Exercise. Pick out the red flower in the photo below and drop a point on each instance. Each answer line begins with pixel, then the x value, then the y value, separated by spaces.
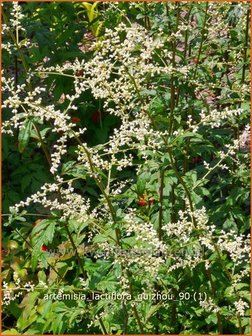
pixel 44 248
pixel 141 202
pixel 75 120
pixel 96 117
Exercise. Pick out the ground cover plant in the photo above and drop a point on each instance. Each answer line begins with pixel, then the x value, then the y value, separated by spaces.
pixel 125 154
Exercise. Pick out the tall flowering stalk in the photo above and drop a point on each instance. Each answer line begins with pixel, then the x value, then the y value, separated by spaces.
pixel 142 200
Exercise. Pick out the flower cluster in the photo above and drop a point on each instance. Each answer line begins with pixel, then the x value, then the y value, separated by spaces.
pixel 58 197
pixel 237 246
pixel 15 27
pixel 240 306
pixel 137 175
pixel 209 306
pixel 15 289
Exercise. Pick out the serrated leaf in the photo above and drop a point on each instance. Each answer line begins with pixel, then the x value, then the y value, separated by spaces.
pixel 43 233
pixel 48 228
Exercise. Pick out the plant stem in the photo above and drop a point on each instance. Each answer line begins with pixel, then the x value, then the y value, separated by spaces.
pixel 103 327
pixel 173 215
pixel 84 273
pixel 245 47
pixel 201 41
pixel 47 155
pixel 220 328
pixel 146 18
pixel 27 214
pixel 186 33
pixel 173 89
pixel 138 319
pixel 182 183
pixel 125 324
pixel 161 199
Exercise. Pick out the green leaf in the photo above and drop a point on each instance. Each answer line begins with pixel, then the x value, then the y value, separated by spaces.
pixel 92 14
pixel 25 182
pixel 212 318
pixel 24 136
pixel 43 132
pixel 46 308
pixel 10 332
pixel 14 309
pixel 42 276
pixel 140 187
pixel 75 170
pixel 46 229
pixel 42 233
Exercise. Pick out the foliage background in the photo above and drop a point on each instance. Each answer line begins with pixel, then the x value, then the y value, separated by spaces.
pixel 207 45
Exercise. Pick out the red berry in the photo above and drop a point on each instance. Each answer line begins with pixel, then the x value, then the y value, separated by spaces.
pixel 96 117
pixel 44 248
pixel 75 120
